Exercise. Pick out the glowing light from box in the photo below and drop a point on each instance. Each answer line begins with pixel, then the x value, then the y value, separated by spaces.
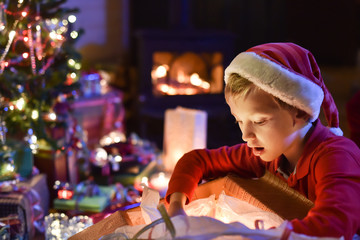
pixel 65 194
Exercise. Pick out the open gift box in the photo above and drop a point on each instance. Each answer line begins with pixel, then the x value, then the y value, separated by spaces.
pixel 268 193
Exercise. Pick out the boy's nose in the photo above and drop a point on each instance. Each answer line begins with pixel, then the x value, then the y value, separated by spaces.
pixel 247 134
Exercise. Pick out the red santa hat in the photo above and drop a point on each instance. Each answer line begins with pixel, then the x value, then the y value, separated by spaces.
pixel 290 73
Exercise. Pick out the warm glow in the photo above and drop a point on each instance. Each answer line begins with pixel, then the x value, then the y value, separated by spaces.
pixel 65 194
pixel 26 39
pixel 205 85
pixel 73 75
pixel 12 34
pixel 181 77
pixel 107 141
pixel 52 116
pixel 77 66
pixel 172 91
pixel 164 88
pixel 24 14
pixel 117 158
pixel 59 37
pixel 65 22
pixel 25 55
pixel 33 139
pixel 54 21
pixel 34 114
pixel 195 79
pixel 71 62
pixel 74 34
pixel 160 182
pixel 145 181
pixel 20 103
pixel 190 91
pixel 160 71
pixel 52 35
pixel 9 167
pixel 72 18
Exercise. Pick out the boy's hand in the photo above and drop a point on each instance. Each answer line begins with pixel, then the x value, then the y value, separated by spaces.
pixel 177 203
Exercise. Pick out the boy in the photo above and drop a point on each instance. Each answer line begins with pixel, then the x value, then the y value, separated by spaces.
pixel 275 92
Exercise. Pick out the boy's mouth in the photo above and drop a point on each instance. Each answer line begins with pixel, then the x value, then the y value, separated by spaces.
pixel 258 150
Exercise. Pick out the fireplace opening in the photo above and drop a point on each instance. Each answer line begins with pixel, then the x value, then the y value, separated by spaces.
pixel 188 73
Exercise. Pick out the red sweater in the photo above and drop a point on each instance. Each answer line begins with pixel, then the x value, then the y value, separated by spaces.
pixel 328 173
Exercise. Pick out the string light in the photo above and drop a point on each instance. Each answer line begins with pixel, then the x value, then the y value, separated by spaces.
pixel 74 34
pixel 77 66
pixel 52 116
pixel 72 18
pixel 71 62
pixel 35 114
pixel 20 103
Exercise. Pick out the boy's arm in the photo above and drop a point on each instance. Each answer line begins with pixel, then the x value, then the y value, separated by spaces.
pixel 177 203
pixel 208 164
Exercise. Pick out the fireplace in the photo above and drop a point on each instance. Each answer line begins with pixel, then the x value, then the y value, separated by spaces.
pixel 186 73
pixel 184 68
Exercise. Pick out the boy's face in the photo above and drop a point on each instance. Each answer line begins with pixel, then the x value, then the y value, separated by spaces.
pixel 266 127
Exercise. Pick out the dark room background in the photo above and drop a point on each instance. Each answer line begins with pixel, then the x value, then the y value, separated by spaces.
pixel 328 28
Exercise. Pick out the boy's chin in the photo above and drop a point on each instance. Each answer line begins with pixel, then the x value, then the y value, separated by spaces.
pixel 267 158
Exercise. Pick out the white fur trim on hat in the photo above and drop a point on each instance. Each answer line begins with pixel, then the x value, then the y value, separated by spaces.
pixel 336 131
pixel 292 88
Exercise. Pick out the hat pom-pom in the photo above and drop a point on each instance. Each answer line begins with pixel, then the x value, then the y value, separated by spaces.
pixel 337 131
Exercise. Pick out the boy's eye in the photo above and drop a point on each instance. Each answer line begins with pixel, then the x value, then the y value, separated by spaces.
pixel 261 122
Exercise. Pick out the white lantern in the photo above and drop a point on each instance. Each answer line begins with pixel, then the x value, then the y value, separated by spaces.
pixel 184 130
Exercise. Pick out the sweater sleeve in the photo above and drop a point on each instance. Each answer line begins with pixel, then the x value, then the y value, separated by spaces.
pixel 336 208
pixel 208 164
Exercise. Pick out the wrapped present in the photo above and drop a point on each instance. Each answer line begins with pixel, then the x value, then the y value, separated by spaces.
pixel 87 202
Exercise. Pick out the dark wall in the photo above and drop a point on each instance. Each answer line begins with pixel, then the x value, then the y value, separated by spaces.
pixel 328 28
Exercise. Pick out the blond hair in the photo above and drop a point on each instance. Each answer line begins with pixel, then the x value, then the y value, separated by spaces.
pixel 238 86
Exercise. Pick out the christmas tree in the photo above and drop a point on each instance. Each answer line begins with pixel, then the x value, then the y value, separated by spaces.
pixel 39 71
pixel 39 68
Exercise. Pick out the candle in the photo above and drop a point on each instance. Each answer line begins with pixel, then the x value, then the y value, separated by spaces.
pixel 160 182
